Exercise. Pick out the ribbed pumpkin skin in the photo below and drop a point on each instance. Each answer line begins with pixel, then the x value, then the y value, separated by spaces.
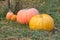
pixel 9 15
pixel 13 18
pixel 24 16
pixel 41 22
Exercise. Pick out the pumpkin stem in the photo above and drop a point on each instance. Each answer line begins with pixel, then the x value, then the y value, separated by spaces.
pixel 8 4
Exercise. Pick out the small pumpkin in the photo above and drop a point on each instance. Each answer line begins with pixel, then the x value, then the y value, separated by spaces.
pixel 24 15
pixel 9 15
pixel 13 18
pixel 41 22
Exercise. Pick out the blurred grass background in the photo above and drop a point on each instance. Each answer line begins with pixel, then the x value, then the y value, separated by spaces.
pixel 51 7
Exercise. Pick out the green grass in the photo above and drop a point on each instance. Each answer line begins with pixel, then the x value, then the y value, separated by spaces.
pixel 14 29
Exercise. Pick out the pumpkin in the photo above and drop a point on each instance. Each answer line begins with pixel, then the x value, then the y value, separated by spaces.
pixel 13 18
pixel 24 15
pixel 9 15
pixel 41 22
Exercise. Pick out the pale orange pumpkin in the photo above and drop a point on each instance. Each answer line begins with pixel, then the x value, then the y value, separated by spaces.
pixel 13 18
pixel 41 22
pixel 24 16
pixel 9 15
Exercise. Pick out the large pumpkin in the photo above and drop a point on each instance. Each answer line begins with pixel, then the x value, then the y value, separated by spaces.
pixel 24 16
pixel 9 15
pixel 41 22
pixel 13 18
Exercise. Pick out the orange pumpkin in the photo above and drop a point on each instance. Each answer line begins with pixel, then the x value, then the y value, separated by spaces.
pixel 41 22
pixel 13 18
pixel 24 16
pixel 9 15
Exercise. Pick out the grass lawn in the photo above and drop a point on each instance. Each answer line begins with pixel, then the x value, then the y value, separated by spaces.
pixel 11 29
